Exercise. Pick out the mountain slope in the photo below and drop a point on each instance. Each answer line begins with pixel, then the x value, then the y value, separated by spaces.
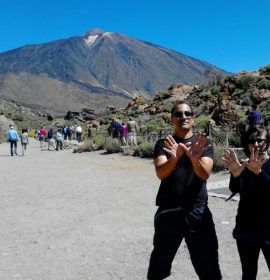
pixel 52 96
pixel 106 63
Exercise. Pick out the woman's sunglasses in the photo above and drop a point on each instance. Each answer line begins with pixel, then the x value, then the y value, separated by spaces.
pixel 180 114
pixel 259 141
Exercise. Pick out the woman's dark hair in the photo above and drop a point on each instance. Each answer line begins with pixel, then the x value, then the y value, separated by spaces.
pixel 256 131
pixel 179 103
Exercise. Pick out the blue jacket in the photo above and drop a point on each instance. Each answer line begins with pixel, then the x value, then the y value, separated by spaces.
pixel 12 135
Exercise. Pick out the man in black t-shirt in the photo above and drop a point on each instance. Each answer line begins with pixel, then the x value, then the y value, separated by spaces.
pixel 183 163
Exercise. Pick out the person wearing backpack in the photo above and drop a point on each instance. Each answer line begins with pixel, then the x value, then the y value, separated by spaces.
pixel 13 138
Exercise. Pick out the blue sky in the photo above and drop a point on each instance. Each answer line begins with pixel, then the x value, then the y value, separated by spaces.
pixel 231 34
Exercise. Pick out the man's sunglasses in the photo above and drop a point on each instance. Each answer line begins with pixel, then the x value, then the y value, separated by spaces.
pixel 180 114
pixel 253 141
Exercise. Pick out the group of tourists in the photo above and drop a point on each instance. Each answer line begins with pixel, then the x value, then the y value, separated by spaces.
pixel 55 139
pixel 183 163
pixel 68 133
pixel 124 133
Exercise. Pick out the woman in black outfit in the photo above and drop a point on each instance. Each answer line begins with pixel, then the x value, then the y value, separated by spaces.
pixel 251 179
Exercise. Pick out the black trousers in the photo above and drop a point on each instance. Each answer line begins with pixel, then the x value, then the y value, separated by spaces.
pixel 59 144
pixel 198 230
pixel 249 255
pixel 13 147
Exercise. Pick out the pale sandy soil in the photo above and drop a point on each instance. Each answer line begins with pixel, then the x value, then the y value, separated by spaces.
pixel 88 216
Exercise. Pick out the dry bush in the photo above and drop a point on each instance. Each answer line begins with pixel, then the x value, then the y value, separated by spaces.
pixel 111 146
pixel 85 147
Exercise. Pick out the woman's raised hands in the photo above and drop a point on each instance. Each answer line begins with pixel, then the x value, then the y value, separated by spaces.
pixel 231 161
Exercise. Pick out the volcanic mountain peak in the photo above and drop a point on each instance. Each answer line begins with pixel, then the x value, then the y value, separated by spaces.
pixel 97 63
pixel 95 31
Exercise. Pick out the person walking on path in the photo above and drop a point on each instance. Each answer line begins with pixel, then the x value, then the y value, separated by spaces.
pixel 251 179
pixel 42 135
pixel 183 163
pixel 13 138
pixel 51 141
pixel 65 132
pixel 59 140
pixel 116 131
pixel 78 131
pixel 132 131
pixel 24 141
pixel 124 133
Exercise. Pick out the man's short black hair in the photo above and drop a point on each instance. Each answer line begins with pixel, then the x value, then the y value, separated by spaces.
pixel 179 102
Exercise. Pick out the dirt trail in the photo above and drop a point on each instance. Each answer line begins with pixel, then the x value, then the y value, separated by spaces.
pixel 66 216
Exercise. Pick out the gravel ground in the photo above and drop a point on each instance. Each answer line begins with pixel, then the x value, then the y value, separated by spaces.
pixel 90 216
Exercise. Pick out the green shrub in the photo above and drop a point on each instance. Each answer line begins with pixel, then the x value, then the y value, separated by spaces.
pixel 218 163
pixel 242 120
pixel 264 84
pixel 244 82
pixel 139 139
pixel 166 118
pixel 206 95
pixel 163 95
pixel 152 125
pixel 246 101
pixel 265 69
pixel 215 90
pixel 99 141
pixel 219 137
pixel 2 137
pixel 265 109
pixel 167 107
pixel 234 139
pixel 145 150
pixel 202 123
pixel 111 146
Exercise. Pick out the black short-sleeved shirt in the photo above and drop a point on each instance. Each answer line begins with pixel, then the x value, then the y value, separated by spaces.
pixel 182 187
